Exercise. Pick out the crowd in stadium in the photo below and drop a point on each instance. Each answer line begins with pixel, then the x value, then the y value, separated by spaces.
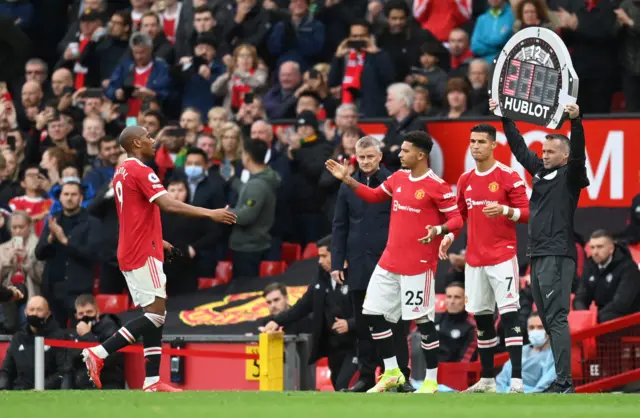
pixel 247 99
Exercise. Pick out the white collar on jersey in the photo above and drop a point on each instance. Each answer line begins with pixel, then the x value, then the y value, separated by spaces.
pixel 486 173
pixel 422 177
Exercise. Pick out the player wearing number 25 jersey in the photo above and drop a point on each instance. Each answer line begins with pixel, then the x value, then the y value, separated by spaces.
pixel 492 197
pixel 403 283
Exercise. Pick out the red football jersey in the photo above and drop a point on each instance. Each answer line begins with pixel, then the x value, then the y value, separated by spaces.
pixel 417 202
pixel 491 241
pixel 136 186
pixel 32 206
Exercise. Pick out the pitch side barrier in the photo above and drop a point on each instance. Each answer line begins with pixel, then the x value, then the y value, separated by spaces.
pixel 268 362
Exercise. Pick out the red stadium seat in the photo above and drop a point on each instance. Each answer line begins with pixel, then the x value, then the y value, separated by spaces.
pixel 323 376
pixel 310 251
pixel 579 320
pixel 272 268
pixel 113 304
pixel 290 252
pixel 441 305
pixel 96 286
pixel 209 282
pixel 635 252
pixel 224 270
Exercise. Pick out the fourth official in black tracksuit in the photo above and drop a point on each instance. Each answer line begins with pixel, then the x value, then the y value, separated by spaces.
pixel 359 236
pixel 552 248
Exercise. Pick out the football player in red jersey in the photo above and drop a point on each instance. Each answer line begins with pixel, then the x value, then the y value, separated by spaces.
pixel 402 285
pixel 139 197
pixel 492 197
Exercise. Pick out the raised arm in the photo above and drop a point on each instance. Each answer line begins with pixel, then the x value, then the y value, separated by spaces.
pixel 171 205
pixel 369 195
pixel 577 169
pixel 529 159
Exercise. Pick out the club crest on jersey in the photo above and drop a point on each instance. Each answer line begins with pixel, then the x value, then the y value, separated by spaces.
pixel 419 194
pixel 494 186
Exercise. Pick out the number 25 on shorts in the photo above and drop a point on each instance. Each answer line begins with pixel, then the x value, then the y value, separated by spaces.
pixel 414 298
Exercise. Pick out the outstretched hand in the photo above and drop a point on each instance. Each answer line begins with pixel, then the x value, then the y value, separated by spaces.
pixel 573 110
pixel 224 216
pixel 430 236
pixel 445 244
pixel 339 171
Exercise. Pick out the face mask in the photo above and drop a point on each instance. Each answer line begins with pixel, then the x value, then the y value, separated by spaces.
pixel 537 337
pixel 193 171
pixel 89 319
pixel 36 322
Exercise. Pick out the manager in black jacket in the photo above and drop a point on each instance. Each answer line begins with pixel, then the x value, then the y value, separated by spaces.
pixel 360 233
pixel 610 278
pixel 558 178
pixel 333 333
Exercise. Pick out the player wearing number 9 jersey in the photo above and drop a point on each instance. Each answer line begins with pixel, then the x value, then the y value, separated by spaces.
pixel 139 198
pixel 492 197
pixel 402 285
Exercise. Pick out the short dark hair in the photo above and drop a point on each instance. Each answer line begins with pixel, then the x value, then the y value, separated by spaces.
pixel 86 299
pixel 360 22
pixel 151 14
pixel 256 150
pixel 68 165
pixel 602 233
pixel 202 9
pixel 485 128
pixel 72 183
pixel 559 137
pixel 126 17
pixel 420 139
pixel 352 131
pixel 324 242
pixel 178 180
pixel 104 140
pixel 455 284
pixel 155 114
pixel 276 286
pixel 397 5
pixel 23 173
pixel 534 314
pixel 197 151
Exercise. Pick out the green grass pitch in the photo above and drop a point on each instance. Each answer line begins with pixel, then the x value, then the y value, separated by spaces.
pixel 124 404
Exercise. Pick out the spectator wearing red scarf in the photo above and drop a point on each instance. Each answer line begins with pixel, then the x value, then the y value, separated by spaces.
pixel 362 70
pixel 246 75
pixel 461 54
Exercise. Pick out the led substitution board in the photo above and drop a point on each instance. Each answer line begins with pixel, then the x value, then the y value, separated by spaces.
pixel 533 78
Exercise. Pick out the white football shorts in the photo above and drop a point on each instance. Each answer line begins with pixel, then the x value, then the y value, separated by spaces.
pixel 486 286
pixel 147 282
pixel 398 296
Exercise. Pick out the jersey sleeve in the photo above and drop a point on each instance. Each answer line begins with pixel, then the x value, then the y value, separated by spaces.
pixel 377 195
pixel 517 194
pixel 460 200
pixel 446 202
pixel 148 183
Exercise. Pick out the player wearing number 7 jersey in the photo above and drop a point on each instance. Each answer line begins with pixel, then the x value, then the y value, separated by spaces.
pixel 139 197
pixel 402 285
pixel 492 198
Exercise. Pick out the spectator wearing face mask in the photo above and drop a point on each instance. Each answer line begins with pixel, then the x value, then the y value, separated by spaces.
pixel 93 327
pixel 610 278
pixel 538 368
pixel 18 368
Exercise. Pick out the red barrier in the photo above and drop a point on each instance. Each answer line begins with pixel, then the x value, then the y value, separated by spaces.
pixel 181 352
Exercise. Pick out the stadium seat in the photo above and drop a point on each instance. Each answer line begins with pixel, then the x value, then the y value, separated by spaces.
pixel 209 282
pixel 618 103
pixel 272 268
pixel 310 251
pixel 323 376
pixel 96 286
pixel 579 320
pixel 113 304
pixel 224 270
pixel 290 252
pixel 441 305
pixel 580 251
pixel 635 252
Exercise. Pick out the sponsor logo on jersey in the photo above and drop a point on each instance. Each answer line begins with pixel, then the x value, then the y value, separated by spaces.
pixel 419 194
pixel 494 186
pixel 471 203
pixel 397 206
